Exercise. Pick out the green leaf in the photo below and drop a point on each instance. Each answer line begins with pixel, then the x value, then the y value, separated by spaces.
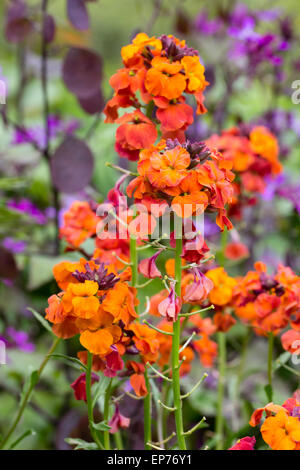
pixel 269 392
pixel 100 388
pixel 29 385
pixel 25 434
pixel 80 444
pixel 41 319
pixel 102 426
pixel 72 361
pixel 281 360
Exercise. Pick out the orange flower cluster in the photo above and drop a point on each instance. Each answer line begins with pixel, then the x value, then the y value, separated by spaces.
pixel 98 304
pixel 254 157
pixel 269 303
pixel 190 177
pixel 156 74
pixel 281 428
pixel 80 223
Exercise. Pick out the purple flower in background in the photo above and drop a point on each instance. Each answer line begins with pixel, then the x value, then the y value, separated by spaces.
pixel 13 245
pixel 207 27
pixel 27 207
pixel 241 23
pixel 17 340
pixel 281 187
pixel 37 134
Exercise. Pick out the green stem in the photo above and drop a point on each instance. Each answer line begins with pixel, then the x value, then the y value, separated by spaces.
pixel 106 439
pixel 88 384
pixel 28 393
pixel 118 440
pixel 147 414
pixel 221 383
pixel 270 360
pixel 147 399
pixel 175 348
pixel 134 261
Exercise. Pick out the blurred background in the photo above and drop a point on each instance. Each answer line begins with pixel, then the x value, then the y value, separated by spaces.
pixel 251 54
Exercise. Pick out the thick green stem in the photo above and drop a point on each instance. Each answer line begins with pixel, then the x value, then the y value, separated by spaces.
pixel 118 440
pixel 28 394
pixel 88 385
pixel 270 361
pixel 106 416
pixel 134 261
pixel 175 349
pixel 221 383
pixel 147 399
pixel 147 414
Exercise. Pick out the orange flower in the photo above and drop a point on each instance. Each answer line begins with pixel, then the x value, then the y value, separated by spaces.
pixel 224 321
pixel 194 72
pixel 137 379
pixel 236 251
pixel 140 41
pixel 97 342
pixel 136 132
pixel 174 115
pixel 120 302
pixel 146 341
pixel 191 199
pixel 169 168
pixel 80 223
pixel 282 432
pixel 222 292
pixel 264 143
pixel 207 350
pixel 80 301
pixel 164 78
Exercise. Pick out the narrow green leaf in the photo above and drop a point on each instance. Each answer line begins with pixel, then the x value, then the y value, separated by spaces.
pixel 25 434
pixel 102 426
pixel 72 361
pixel 41 319
pixel 80 444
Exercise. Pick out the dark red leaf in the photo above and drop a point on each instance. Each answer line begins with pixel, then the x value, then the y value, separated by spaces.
pixel 72 165
pixel 78 14
pixel 49 28
pixel 82 72
pixel 18 25
pixel 92 104
pixel 8 267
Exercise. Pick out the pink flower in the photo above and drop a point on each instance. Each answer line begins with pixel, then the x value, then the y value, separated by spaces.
pixel 246 443
pixel 148 268
pixel 79 386
pixel 118 421
pixel 170 307
pixel 199 289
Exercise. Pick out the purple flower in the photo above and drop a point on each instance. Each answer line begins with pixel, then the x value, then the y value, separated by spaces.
pixel 207 27
pixel 18 340
pixel 27 207
pixel 14 246
pixel 37 135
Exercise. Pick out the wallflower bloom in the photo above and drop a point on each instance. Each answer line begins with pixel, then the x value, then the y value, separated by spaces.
pixel 196 287
pixel 135 133
pixel 79 386
pixel 157 71
pixel 246 443
pixel 118 421
pixel 148 268
pixel 79 223
pixel 282 432
pixel 171 306
pixel 222 292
